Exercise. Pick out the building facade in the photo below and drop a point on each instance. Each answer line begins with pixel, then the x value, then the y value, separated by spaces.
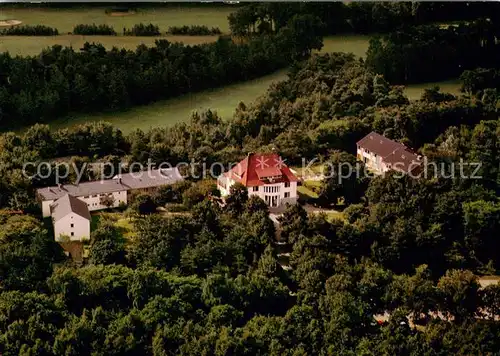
pixel 109 193
pixel 264 175
pixel 71 219
pixel 381 154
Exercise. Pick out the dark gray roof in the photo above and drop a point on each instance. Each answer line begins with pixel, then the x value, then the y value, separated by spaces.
pixel 69 204
pixel 397 155
pixel 137 180
pixel 379 144
pixel 403 160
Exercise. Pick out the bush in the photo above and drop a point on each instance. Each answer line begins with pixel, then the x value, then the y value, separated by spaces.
pixel 175 208
pixel 193 30
pixel 91 30
pixel 142 30
pixel 27 30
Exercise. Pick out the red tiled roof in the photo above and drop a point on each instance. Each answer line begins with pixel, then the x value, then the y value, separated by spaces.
pixel 268 172
pixel 255 168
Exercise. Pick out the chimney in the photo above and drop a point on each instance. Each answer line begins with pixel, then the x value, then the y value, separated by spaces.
pixel 120 180
pixel 249 154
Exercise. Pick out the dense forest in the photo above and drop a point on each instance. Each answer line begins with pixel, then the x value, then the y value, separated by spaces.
pixel 208 281
pixel 356 17
pixel 431 53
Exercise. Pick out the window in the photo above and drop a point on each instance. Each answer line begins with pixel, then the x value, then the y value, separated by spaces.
pixel 287 194
pixel 72 233
pixel 255 189
pixel 72 225
pixel 287 184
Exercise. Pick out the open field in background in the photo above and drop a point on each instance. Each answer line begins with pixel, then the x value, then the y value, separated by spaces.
pixel 65 19
pixel 223 100
pixel 167 112
pixel 356 44
pixel 414 91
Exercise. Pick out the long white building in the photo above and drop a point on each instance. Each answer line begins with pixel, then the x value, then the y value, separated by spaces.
pixel 99 194
pixel 264 175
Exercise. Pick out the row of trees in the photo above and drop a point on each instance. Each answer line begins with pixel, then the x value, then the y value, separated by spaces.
pixel 194 30
pixel 142 30
pixel 107 30
pixel 89 30
pixel 29 30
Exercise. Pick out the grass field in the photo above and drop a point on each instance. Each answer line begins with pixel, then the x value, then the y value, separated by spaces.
pixel 65 19
pixel 346 43
pixel 223 100
pixel 168 112
pixel 414 91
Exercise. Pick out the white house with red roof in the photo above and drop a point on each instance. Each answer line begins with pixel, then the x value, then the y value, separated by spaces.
pixel 264 175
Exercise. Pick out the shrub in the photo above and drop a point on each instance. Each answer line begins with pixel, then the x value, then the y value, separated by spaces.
pixel 27 30
pixel 92 30
pixel 193 30
pixel 175 207
pixel 142 30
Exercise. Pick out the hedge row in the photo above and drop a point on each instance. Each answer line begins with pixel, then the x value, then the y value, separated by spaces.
pixel 193 30
pixel 106 30
pixel 28 30
pixel 142 30
pixel 94 30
